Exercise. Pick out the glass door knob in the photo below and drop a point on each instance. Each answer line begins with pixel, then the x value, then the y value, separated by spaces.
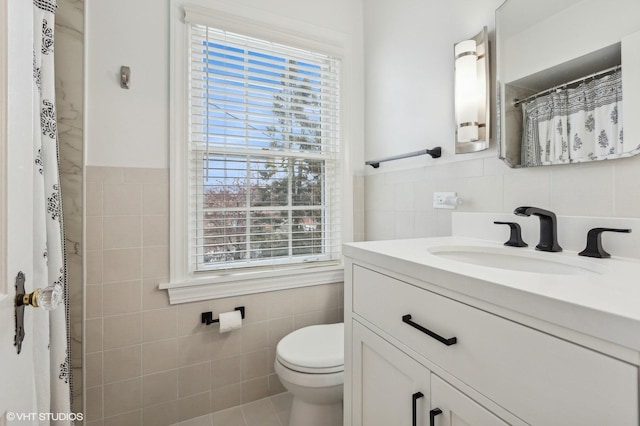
pixel 48 298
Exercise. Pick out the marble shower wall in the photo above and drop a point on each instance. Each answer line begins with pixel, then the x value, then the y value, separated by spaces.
pixel 69 38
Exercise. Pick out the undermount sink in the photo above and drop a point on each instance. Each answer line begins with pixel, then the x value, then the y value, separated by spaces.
pixel 523 261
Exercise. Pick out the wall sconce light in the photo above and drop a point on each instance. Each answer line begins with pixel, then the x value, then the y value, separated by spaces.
pixel 472 99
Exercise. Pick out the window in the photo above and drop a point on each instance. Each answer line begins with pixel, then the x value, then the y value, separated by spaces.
pixel 260 140
pixel 264 146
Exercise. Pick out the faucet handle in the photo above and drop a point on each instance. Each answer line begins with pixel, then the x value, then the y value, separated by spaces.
pixel 515 238
pixel 594 242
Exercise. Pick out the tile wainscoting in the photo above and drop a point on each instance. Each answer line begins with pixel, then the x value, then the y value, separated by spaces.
pixel 398 203
pixel 151 363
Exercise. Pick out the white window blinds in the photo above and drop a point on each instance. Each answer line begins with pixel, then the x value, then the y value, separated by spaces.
pixel 263 152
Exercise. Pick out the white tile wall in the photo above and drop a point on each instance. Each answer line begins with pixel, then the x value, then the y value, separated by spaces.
pixel 398 204
pixel 152 363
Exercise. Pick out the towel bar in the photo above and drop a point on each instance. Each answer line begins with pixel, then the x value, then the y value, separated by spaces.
pixel 434 153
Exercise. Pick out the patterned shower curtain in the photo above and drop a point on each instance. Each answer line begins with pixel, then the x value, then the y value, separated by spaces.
pixel 53 386
pixel 574 125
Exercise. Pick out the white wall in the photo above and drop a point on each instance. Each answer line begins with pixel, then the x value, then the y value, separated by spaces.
pixel 130 128
pixel 409 72
pixel 127 128
pixel 409 106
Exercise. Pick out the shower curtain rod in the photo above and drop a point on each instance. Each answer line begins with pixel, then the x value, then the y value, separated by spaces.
pixel 517 102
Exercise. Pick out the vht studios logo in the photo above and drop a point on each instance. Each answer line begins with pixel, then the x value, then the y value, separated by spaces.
pixel 55 417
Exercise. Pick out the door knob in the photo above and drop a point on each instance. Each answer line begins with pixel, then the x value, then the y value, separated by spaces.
pixel 47 298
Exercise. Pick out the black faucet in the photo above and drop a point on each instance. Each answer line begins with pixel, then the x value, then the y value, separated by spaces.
pixel 594 242
pixel 548 227
pixel 515 237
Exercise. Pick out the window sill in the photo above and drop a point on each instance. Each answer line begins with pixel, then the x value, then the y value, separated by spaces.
pixel 243 283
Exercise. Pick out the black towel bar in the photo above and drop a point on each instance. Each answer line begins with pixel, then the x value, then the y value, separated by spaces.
pixel 434 153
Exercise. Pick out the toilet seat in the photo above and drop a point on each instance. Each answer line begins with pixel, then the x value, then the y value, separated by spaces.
pixel 317 349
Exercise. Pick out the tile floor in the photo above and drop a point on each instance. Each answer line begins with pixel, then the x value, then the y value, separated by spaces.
pixel 272 411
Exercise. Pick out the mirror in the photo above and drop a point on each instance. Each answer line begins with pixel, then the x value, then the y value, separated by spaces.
pixel 567 77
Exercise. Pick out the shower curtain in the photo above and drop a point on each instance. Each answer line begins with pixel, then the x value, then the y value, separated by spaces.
pixel 575 124
pixel 52 362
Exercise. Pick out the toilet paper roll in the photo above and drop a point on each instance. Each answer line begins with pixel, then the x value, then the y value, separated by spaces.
pixel 230 321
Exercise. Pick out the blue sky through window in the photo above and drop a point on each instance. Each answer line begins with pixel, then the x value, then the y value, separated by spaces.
pixel 232 115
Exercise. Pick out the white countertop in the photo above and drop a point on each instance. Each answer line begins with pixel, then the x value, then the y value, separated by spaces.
pixel 604 304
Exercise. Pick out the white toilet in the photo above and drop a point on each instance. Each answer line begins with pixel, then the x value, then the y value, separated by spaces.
pixel 310 365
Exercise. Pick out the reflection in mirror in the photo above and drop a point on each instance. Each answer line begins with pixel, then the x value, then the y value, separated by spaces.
pixel 560 86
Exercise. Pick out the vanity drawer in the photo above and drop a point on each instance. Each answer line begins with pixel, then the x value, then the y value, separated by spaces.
pixel 540 378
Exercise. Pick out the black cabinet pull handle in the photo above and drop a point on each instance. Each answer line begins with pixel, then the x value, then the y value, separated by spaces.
pixel 450 341
pixel 415 397
pixel 432 416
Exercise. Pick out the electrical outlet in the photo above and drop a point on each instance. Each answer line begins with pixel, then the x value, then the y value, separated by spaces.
pixel 444 200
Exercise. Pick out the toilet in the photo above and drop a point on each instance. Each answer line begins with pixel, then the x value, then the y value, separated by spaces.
pixel 310 365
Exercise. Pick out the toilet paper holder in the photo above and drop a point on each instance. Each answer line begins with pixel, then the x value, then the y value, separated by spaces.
pixel 207 317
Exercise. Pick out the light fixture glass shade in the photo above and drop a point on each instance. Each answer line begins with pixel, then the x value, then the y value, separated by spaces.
pixel 472 87
pixel 466 90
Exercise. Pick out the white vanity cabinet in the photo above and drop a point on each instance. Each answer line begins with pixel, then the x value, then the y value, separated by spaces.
pixel 387 382
pixel 391 388
pixel 457 409
pixel 478 367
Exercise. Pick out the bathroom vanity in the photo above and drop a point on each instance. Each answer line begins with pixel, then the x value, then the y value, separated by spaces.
pixel 434 337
